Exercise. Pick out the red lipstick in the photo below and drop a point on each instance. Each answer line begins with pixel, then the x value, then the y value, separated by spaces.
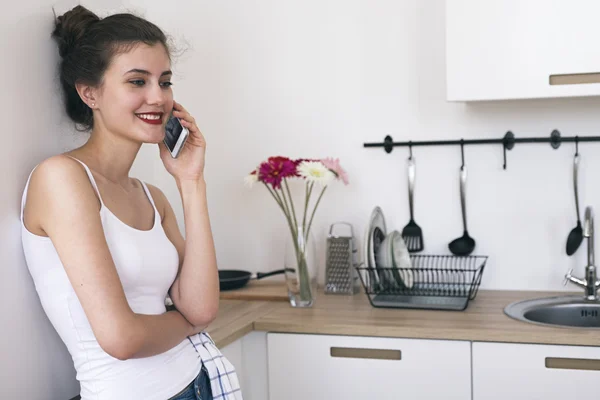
pixel 152 118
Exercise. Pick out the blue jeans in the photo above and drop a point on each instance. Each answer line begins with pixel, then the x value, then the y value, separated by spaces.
pixel 199 389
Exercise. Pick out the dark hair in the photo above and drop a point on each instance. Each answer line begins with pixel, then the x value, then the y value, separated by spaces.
pixel 87 45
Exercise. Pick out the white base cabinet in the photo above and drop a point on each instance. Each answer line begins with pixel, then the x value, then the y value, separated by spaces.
pixel 302 366
pixel 249 357
pixel 287 366
pixel 530 372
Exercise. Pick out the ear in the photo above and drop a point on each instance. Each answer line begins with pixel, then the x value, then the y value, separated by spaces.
pixel 87 93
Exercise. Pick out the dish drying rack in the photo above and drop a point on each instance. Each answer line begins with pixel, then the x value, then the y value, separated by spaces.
pixel 442 282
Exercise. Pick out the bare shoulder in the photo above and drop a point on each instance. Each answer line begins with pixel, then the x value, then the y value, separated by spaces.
pixel 58 174
pixel 159 199
pixel 60 163
pixel 58 181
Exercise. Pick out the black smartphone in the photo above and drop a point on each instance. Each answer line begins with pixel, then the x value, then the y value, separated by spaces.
pixel 175 136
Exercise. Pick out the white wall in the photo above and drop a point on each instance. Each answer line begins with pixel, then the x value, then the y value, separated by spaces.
pixel 320 78
pixel 34 362
pixel 304 79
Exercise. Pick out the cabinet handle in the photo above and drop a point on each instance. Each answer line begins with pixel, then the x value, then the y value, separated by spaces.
pixel 575 79
pixel 376 354
pixel 573 363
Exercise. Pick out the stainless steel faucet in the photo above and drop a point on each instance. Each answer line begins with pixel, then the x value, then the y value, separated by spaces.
pixel 591 282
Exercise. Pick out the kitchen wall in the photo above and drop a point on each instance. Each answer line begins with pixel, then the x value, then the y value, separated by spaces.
pixel 34 361
pixel 303 79
pixel 320 78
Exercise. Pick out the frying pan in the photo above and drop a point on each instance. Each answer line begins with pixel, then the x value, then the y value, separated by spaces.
pixel 234 278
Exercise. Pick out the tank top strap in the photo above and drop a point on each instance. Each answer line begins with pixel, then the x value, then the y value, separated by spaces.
pixel 91 177
pixel 148 194
pixel 24 196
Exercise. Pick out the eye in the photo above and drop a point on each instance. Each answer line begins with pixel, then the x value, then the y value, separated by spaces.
pixel 166 84
pixel 137 82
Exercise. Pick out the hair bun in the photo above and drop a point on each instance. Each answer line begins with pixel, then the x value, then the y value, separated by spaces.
pixel 70 27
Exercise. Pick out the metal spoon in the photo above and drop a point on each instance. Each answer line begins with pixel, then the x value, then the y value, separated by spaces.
pixel 576 235
pixel 465 244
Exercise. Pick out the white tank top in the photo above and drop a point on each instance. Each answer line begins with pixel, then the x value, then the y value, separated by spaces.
pixel 147 264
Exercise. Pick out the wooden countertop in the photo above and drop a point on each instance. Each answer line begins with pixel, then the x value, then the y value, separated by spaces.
pixel 483 320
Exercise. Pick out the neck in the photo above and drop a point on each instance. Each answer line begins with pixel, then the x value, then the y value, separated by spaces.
pixel 109 155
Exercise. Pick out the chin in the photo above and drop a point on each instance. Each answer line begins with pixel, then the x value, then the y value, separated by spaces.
pixel 153 139
pixel 153 135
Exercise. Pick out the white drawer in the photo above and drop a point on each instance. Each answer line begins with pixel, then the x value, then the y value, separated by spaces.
pixel 349 367
pixel 529 371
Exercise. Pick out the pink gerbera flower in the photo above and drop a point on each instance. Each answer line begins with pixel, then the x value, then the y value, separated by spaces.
pixel 335 167
pixel 275 169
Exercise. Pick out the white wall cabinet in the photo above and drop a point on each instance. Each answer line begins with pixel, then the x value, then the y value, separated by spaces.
pixel 510 49
pixel 528 372
pixel 348 367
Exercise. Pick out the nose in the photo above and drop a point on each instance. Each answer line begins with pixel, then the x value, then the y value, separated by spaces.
pixel 157 95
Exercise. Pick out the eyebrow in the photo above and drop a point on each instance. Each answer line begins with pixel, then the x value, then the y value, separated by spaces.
pixel 144 72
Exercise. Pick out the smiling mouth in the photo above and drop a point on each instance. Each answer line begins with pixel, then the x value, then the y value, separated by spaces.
pixel 151 118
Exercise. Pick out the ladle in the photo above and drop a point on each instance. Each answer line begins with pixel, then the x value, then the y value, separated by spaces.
pixel 465 244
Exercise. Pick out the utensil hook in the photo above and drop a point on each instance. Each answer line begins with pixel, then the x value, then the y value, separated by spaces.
pixel 576 146
pixel 410 150
pixel 462 152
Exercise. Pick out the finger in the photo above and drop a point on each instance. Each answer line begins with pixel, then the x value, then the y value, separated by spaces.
pixel 180 114
pixel 191 126
pixel 163 149
pixel 183 116
pixel 178 107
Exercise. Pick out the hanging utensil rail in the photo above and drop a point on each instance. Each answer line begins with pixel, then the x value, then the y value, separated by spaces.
pixel 508 142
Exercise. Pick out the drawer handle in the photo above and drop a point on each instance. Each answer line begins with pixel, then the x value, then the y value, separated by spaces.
pixel 573 363
pixel 575 79
pixel 376 354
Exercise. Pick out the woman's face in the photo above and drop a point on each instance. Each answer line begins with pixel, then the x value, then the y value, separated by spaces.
pixel 135 98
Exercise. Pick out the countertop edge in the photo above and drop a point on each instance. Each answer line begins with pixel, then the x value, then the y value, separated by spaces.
pixel 483 321
pixel 425 333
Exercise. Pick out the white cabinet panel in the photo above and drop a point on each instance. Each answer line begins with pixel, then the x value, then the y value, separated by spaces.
pixel 528 372
pixel 233 352
pixel 509 49
pixel 249 357
pixel 348 367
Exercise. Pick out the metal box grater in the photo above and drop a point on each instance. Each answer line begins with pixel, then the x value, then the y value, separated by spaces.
pixel 341 276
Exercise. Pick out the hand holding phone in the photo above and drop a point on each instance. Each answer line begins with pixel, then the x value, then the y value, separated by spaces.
pixel 182 131
pixel 175 136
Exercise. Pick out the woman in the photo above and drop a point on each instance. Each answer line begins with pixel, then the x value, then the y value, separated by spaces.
pixel 104 249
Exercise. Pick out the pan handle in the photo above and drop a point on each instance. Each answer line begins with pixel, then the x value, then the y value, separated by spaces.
pixel 260 275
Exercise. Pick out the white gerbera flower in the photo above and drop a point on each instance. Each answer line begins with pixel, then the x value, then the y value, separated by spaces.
pixel 315 171
pixel 251 179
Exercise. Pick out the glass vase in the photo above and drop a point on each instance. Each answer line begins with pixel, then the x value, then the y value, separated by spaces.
pixel 300 268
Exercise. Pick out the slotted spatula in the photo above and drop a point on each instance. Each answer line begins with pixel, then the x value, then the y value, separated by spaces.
pixel 412 233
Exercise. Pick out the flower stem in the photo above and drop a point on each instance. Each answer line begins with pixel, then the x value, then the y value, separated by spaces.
pixel 306 199
pixel 283 201
pixel 280 203
pixel 301 262
pixel 315 210
pixel 274 196
pixel 287 188
pixel 293 231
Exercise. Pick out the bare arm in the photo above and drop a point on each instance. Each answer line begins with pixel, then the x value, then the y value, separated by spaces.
pixel 195 291
pixel 61 189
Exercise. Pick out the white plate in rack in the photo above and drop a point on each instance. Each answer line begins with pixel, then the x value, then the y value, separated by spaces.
pixel 402 262
pixel 376 221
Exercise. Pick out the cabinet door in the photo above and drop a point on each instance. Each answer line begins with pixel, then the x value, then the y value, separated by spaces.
pixel 234 352
pixel 349 367
pixel 527 372
pixel 519 49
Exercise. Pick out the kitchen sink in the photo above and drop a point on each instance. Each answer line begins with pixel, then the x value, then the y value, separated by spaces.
pixel 568 311
pixel 561 311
